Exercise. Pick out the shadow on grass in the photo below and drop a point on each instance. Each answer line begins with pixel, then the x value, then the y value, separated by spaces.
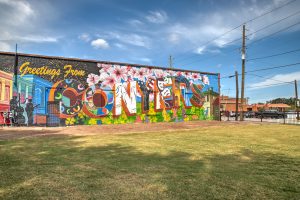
pixel 59 168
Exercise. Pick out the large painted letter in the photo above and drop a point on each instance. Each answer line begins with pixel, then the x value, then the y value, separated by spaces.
pixel 125 96
pixel 69 93
pixel 97 102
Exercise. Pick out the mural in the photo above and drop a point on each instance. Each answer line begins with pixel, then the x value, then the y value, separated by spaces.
pixel 102 93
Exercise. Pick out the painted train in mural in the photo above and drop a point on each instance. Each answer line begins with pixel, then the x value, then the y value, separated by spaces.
pixel 100 93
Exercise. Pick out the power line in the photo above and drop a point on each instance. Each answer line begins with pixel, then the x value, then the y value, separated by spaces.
pixel 267 68
pixel 276 67
pixel 208 42
pixel 275 84
pixel 279 54
pixel 256 32
pixel 282 19
pixel 259 16
pixel 195 61
pixel 267 85
pixel 265 78
pixel 264 27
pixel 284 29
pixel 276 8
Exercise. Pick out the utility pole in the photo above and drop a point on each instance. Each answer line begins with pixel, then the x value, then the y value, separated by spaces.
pixel 243 72
pixel 16 69
pixel 297 100
pixel 236 96
pixel 170 62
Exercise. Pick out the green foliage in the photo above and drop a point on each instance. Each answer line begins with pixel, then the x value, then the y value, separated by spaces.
pixel 193 113
pixel 289 101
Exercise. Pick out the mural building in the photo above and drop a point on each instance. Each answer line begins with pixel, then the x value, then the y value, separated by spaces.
pixel 60 91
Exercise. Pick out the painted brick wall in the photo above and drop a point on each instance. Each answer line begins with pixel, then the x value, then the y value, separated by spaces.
pixel 90 92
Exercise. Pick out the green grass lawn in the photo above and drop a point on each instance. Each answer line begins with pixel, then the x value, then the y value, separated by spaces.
pixel 230 162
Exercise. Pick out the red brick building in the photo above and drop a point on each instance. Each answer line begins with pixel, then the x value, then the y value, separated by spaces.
pixel 6 85
pixel 228 104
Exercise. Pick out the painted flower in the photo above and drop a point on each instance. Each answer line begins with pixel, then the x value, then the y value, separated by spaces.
pixel 70 121
pixel 119 73
pixel 107 68
pixel 149 72
pixel 196 76
pixel 103 76
pixel 172 73
pixel 132 72
pixel 92 121
pixel 141 74
pixel 166 73
pixel 179 73
pixel 159 73
pixel 205 80
pixel 188 75
pixel 128 68
pixel 81 114
pixel 109 82
pixel 92 79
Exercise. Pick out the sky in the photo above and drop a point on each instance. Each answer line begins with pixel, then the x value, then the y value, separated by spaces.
pixel 148 32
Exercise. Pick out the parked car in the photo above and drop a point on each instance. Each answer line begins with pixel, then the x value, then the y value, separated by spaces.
pixel 232 114
pixel 249 114
pixel 270 114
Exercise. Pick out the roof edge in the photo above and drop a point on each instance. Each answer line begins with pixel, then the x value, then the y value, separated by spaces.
pixel 98 61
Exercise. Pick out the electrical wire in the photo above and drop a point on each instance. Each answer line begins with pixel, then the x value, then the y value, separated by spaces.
pixel 264 69
pixel 286 28
pixel 259 16
pixel 275 67
pixel 275 84
pixel 266 78
pixel 278 54
pixel 282 19
pixel 283 29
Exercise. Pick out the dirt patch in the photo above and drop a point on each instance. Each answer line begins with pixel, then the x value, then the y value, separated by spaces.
pixel 24 132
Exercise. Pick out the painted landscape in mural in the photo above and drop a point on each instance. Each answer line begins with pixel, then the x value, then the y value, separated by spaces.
pixel 103 93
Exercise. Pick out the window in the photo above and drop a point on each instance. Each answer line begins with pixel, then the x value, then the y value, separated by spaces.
pixel 7 93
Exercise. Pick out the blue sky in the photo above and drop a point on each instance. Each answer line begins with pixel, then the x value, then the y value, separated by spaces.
pixel 147 32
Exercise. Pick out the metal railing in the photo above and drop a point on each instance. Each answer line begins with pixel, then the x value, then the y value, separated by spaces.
pixel 289 117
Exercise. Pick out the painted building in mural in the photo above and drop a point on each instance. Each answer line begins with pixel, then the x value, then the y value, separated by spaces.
pixel 94 92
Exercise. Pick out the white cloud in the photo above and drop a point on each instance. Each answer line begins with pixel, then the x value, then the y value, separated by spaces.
pixel 200 28
pixel 100 44
pixel 157 17
pixel 135 22
pixel 213 51
pixel 5 47
pixel 120 46
pixel 15 12
pixel 147 60
pixel 37 38
pixel 84 37
pixel 140 59
pixel 174 38
pixel 277 79
pixel 132 39
pixel 200 50
pixel 20 22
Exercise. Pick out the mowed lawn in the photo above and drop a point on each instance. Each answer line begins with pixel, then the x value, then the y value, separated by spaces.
pixel 243 161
